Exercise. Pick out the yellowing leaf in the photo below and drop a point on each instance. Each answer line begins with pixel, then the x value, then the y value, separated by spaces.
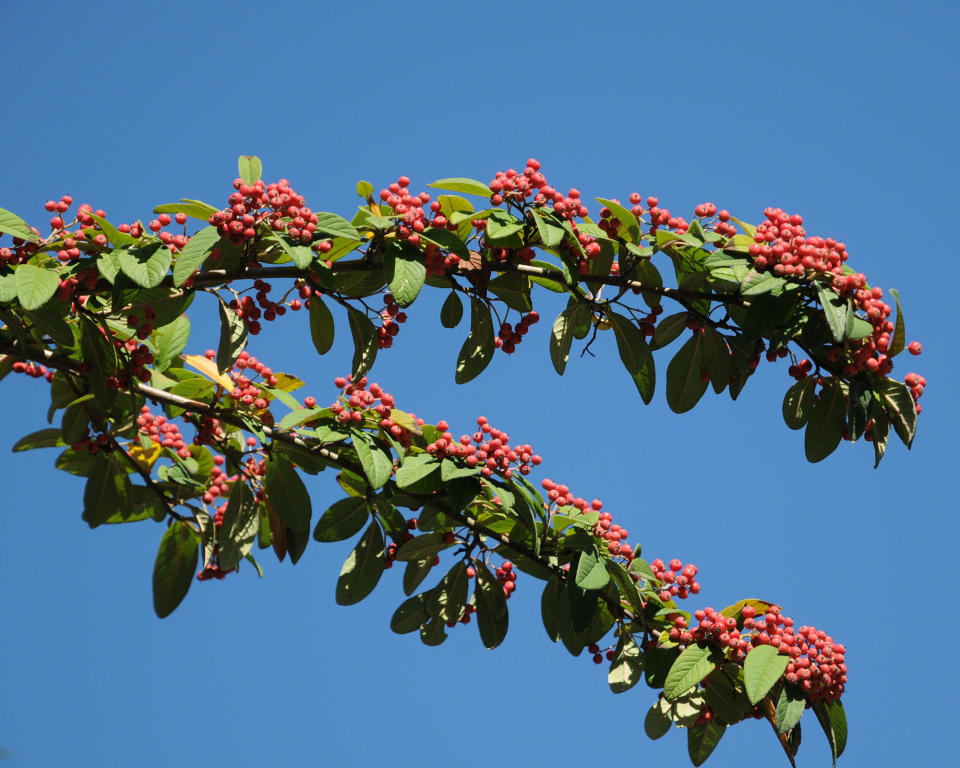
pixel 146 458
pixel 209 369
pixel 287 383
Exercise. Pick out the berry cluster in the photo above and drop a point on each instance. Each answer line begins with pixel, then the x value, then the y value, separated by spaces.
pixel 679 580
pixel 277 205
pixel 489 447
pixel 507 576
pixel 32 369
pixel 390 316
pixel 360 397
pixel 509 337
pixel 162 432
pixel 817 664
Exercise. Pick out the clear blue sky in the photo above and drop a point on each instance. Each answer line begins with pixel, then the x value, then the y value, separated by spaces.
pixel 843 112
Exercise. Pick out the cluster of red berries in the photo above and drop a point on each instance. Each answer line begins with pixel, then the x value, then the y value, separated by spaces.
pixel 140 357
pixel 68 288
pixel 278 205
pixel 817 664
pixel 413 219
pixel 597 656
pixel 678 580
pixel 507 576
pixel 174 242
pixel 390 316
pixel 615 536
pixel 218 486
pixel 162 432
pixel 488 448
pixel 32 369
pixel 509 337
pixel 781 244
pixel 360 397
pixel 244 373
pixel 436 261
pixel 251 310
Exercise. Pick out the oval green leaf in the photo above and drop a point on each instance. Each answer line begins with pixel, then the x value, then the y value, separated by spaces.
pixel 761 670
pixel 362 569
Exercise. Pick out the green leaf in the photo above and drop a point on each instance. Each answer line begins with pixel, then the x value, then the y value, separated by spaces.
pixel 288 499
pixel 762 668
pixel 44 438
pixel 426 545
pixel 35 285
pixel 321 324
pixel 365 343
pixel 551 233
pixel 195 209
pixel 145 266
pixel 233 336
pixel 459 184
pixel 336 226
pixel 899 406
pixel 727 698
pixel 690 667
pixel 491 604
pixel 757 283
pixel 477 351
pixel 405 272
pixel 107 491
pixel 825 425
pixel 553 594
pixel 13 225
pixel 626 668
pixel 239 527
pixel 656 723
pixel 299 253
pixel 668 329
pixel 169 341
pixel 899 338
pixel 635 354
pixel 102 357
pixel 75 420
pixel 250 168
pixel 376 462
pixel 114 235
pixel 716 359
pixel 432 633
pixel 790 707
pixel 837 312
pixel 630 227
pixel 833 720
pixel 415 572
pixel 174 568
pixel 342 519
pixel 881 433
pixel 562 336
pixel 514 289
pixel 581 609
pixel 364 189
pixel 446 601
pixel 685 385
pixel 414 469
pixel 194 253
pixel 362 569
pixel 452 311
pixel 447 240
pixel 590 571
pixel 702 739
pixel 798 402
pixel 410 616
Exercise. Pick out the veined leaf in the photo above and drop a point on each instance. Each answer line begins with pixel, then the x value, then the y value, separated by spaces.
pixel 13 225
pixel 762 668
pixel 477 351
pixel 250 168
pixel 362 569
pixel 35 285
pixel 460 184
pixel 194 253
pixel 174 568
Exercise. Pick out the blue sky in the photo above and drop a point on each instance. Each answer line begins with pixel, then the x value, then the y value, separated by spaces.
pixel 829 109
